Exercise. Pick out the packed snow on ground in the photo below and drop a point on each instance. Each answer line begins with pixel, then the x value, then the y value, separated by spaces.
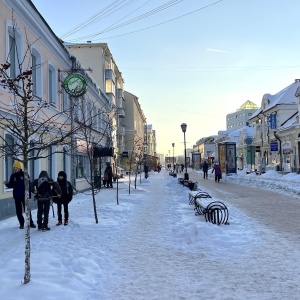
pixel 152 246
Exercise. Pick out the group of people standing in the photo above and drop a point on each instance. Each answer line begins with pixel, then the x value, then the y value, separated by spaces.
pixel 45 190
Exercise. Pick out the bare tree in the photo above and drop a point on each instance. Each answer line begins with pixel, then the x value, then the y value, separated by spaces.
pixel 34 124
pixel 94 130
pixel 136 158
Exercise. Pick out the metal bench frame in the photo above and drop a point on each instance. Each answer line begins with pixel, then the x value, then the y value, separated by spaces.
pixel 215 212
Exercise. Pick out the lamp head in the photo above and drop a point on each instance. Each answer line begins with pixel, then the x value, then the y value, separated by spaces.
pixel 173 144
pixel 183 127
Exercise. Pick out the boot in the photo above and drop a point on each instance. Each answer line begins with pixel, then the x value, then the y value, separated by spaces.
pixel 66 222
pixel 59 223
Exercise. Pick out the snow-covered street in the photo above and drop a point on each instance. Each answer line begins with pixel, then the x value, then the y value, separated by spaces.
pixel 152 246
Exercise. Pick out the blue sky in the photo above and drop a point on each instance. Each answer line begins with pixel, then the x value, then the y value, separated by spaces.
pixel 196 68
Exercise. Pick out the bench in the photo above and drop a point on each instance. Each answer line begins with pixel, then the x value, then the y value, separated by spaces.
pixel 173 174
pixel 215 212
pixel 193 195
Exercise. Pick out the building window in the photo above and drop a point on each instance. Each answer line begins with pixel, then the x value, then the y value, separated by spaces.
pixel 36 77
pixel 83 111
pixel 12 56
pixel 89 113
pixel 99 120
pixel 95 118
pixel 14 48
pixel 80 167
pixel 52 87
pixel 65 101
pixel 9 150
pixel 76 109
pixel 110 86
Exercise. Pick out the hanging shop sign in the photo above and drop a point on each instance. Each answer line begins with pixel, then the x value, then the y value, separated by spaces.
pixel 75 85
pixel 272 121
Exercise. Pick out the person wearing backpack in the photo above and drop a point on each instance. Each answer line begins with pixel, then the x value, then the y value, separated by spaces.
pixel 16 182
pixel 64 199
pixel 44 188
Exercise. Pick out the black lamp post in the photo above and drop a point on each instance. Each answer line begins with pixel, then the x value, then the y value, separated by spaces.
pixel 173 145
pixel 183 128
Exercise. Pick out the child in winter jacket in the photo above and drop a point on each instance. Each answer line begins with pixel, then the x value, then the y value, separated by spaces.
pixel 64 199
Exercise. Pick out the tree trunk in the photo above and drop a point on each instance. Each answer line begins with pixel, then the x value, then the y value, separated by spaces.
pixel 94 204
pixel 27 230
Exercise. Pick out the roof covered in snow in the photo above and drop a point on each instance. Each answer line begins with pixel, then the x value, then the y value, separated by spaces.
pixel 285 96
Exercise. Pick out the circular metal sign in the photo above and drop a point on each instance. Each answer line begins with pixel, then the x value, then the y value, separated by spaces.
pixel 75 85
pixel 248 140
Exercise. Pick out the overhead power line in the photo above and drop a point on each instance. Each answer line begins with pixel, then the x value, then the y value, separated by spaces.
pixel 110 10
pixel 149 27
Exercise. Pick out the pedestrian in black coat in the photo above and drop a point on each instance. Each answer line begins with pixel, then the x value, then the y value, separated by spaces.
pixel 205 169
pixel 64 199
pixel 17 183
pixel 109 174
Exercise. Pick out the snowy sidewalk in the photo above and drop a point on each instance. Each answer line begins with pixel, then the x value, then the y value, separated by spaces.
pixel 150 246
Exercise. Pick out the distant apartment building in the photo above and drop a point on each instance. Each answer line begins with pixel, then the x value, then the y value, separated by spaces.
pixel 151 140
pixel 240 118
pixel 100 64
pixel 134 126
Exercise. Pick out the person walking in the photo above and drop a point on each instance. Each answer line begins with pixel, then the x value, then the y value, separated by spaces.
pixel 218 172
pixel 17 183
pixel 64 199
pixel 146 170
pixel 109 174
pixel 205 169
pixel 44 188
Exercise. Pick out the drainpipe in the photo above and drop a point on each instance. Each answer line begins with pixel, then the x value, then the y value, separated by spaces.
pixel 277 138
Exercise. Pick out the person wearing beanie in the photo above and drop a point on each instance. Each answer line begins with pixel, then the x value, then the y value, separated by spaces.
pixel 64 199
pixel 17 183
pixel 44 188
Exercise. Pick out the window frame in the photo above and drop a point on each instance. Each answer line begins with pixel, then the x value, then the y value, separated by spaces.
pixel 52 84
pixel 8 159
pixel 37 73
pixel 12 31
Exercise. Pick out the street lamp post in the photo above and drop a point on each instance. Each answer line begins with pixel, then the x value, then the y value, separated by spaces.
pixel 173 145
pixel 183 128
